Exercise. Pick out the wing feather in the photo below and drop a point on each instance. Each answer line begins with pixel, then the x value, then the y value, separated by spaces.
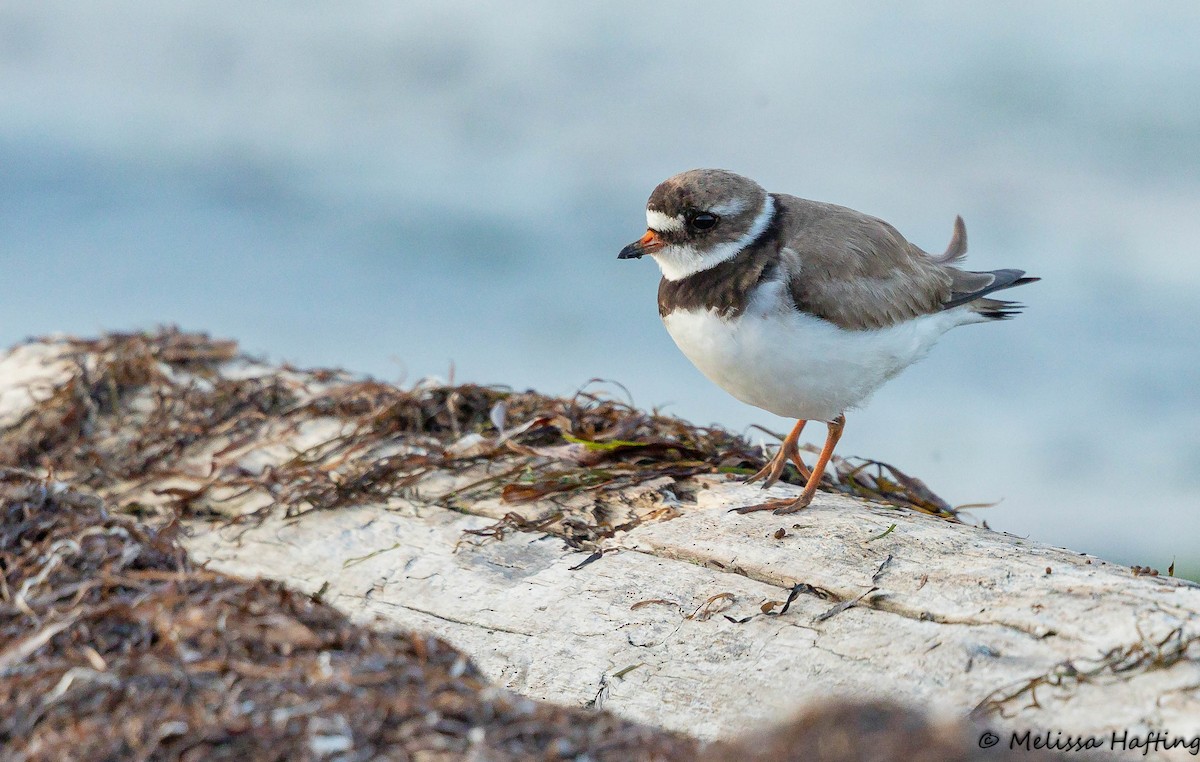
pixel 859 272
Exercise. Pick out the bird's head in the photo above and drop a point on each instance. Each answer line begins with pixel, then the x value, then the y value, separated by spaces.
pixel 700 218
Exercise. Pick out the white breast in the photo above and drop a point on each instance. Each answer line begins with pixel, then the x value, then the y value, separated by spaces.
pixel 800 366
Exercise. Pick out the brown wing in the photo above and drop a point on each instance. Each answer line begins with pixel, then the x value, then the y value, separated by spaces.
pixel 857 271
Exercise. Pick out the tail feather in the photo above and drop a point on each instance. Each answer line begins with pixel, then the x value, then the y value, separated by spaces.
pixel 997 309
pixel 970 287
pixel 957 249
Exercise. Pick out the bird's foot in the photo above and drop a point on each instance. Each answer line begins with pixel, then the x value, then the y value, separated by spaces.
pixel 781 507
pixel 770 472
pixel 778 507
pixel 773 471
pixel 791 506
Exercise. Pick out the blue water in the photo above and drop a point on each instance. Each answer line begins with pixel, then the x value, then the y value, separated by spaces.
pixel 404 189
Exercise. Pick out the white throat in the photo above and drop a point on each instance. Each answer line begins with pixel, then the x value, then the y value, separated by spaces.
pixel 680 261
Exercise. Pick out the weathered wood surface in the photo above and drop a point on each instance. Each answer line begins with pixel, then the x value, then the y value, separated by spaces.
pixel 668 625
pixel 958 616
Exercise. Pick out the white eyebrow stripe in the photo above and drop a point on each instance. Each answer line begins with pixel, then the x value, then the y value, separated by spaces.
pixel 661 223
pixel 730 209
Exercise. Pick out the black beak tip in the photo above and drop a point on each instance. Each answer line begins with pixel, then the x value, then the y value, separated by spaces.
pixel 632 251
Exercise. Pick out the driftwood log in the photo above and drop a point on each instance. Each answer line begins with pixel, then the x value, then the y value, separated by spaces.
pixel 585 553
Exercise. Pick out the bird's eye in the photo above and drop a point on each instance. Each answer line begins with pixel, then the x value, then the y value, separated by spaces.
pixel 702 221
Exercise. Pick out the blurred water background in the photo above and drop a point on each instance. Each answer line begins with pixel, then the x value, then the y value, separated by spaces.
pixel 396 187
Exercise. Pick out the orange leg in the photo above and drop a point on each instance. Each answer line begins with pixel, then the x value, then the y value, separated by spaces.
pixel 836 426
pixel 789 449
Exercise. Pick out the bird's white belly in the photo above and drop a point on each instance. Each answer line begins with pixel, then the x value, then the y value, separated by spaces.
pixel 800 366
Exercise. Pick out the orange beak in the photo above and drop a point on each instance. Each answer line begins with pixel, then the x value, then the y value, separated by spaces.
pixel 647 244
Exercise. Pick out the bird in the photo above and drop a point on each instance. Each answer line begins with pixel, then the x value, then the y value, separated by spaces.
pixel 802 308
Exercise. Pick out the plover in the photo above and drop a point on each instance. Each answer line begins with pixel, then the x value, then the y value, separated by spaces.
pixel 799 307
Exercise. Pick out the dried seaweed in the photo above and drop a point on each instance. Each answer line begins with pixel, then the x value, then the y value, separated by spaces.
pixel 144 412
pixel 1144 655
pixel 114 646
